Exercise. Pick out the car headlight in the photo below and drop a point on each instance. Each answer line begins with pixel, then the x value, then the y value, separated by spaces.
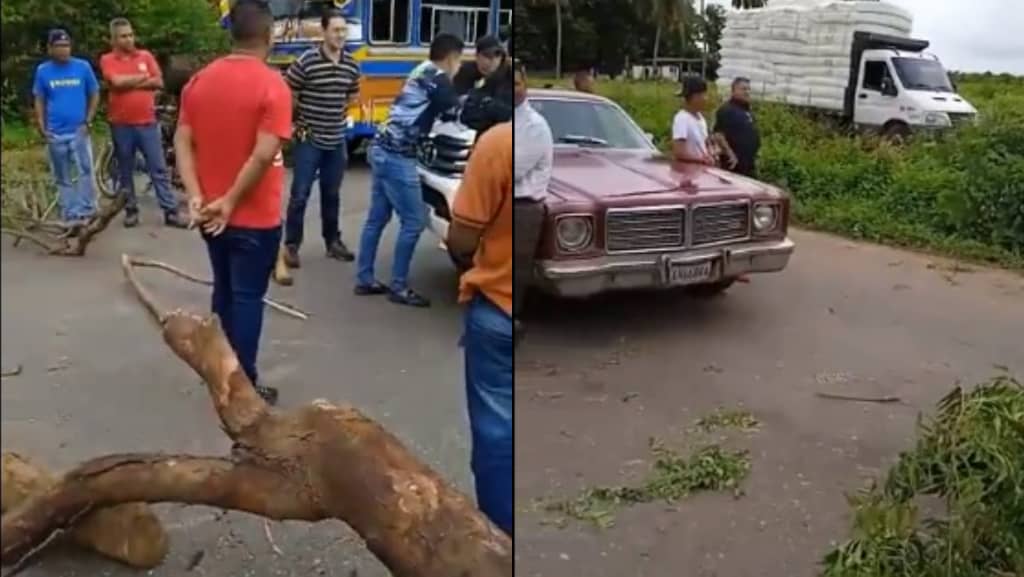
pixel 574 233
pixel 766 217
pixel 937 119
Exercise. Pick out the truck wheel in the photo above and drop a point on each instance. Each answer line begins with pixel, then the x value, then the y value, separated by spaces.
pixel 709 290
pixel 896 132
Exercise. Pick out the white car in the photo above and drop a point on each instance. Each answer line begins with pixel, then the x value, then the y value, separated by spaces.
pixel 442 161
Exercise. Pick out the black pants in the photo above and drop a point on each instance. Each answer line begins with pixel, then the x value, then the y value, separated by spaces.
pixel 528 219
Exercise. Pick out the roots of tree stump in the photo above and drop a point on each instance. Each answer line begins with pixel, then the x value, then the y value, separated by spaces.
pixel 317 462
pixel 55 241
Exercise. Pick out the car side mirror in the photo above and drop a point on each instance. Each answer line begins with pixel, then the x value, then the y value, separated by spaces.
pixel 889 87
pixel 650 137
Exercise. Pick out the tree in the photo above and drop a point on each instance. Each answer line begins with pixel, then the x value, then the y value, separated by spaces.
pixel 666 15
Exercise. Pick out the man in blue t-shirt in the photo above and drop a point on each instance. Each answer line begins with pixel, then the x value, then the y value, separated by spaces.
pixel 66 96
pixel 427 94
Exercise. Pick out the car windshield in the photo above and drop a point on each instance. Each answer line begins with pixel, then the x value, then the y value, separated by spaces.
pixel 588 123
pixel 920 74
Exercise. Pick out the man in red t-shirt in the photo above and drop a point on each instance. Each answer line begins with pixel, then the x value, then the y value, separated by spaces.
pixel 132 76
pixel 235 114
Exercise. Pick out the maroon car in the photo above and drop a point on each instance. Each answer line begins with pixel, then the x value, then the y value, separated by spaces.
pixel 623 216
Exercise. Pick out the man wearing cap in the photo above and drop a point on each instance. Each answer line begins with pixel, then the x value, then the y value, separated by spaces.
pixel 133 76
pixel 66 96
pixel 689 128
pixel 488 86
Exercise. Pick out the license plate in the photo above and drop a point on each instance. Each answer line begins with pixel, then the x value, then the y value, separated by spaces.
pixel 687 274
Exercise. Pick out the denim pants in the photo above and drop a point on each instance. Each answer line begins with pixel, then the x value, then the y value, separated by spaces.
pixel 71 163
pixel 129 139
pixel 487 341
pixel 242 260
pixel 308 159
pixel 395 188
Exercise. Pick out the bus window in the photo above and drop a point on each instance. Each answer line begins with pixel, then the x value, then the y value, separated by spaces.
pixel 505 14
pixel 468 20
pixel 389 21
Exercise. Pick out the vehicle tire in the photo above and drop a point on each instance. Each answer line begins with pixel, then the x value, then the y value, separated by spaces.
pixel 710 290
pixel 106 171
pixel 896 132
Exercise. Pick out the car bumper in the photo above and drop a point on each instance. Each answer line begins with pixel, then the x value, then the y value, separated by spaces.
pixel 447 186
pixel 582 278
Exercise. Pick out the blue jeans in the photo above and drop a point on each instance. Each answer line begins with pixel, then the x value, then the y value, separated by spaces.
pixel 129 139
pixel 330 162
pixel 242 260
pixel 488 344
pixel 395 188
pixel 71 162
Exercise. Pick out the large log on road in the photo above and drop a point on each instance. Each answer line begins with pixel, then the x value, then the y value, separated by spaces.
pixel 317 462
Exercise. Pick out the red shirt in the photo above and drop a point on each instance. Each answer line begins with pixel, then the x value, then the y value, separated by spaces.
pixel 130 106
pixel 226 104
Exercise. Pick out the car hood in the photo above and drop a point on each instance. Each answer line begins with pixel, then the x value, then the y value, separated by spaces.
pixel 626 177
pixel 941 102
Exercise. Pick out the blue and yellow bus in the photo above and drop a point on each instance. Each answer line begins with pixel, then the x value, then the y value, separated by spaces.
pixel 388 38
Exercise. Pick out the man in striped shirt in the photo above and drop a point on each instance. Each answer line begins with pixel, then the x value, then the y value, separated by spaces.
pixel 324 81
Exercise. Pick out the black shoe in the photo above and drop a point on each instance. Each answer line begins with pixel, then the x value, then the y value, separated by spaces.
pixel 410 298
pixel 291 257
pixel 338 250
pixel 131 219
pixel 377 288
pixel 269 394
pixel 174 220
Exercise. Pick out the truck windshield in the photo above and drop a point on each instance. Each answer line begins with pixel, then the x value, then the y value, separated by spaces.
pixel 589 124
pixel 921 74
pixel 298 8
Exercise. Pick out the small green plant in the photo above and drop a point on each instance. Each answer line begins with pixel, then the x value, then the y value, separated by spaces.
pixel 969 457
pixel 723 418
pixel 672 477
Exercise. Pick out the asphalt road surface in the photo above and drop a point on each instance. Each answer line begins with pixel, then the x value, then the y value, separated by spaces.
pixel 595 380
pixel 97 379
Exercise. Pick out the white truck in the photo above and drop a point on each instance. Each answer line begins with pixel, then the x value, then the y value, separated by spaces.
pixel 854 59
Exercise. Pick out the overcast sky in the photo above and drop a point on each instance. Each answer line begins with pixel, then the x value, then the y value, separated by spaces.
pixel 970 35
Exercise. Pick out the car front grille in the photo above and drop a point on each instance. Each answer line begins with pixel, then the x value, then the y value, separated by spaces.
pixel 644 230
pixel 959 119
pixel 445 154
pixel 720 223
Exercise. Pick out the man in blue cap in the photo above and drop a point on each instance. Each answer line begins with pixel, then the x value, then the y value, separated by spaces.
pixel 66 96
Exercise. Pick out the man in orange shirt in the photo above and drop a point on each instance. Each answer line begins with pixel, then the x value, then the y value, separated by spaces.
pixel 481 230
pixel 132 76
pixel 228 146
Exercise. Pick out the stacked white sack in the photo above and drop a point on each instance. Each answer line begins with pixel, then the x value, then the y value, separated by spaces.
pixel 798 51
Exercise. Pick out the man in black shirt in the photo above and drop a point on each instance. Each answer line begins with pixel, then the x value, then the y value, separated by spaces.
pixel 488 86
pixel 736 131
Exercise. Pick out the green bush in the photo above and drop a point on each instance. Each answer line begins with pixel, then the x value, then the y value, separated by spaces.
pixel 165 27
pixel 960 193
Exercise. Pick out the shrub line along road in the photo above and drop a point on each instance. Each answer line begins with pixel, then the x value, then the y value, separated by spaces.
pixel 595 380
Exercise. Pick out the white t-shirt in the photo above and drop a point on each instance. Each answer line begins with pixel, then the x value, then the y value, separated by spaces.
pixel 692 129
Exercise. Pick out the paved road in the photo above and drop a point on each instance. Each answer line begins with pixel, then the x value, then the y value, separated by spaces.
pixel 844 317
pixel 98 379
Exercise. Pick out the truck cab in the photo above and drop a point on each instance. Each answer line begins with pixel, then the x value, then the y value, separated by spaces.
pixel 897 88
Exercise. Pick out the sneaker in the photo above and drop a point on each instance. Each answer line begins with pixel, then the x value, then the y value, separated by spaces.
pixel 410 298
pixel 131 219
pixel 377 288
pixel 282 274
pixel 338 250
pixel 174 220
pixel 291 257
pixel 269 394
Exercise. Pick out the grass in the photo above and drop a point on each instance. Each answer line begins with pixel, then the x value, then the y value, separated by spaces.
pixel 970 457
pixel 959 195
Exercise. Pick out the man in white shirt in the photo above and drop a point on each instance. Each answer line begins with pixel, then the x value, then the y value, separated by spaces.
pixel 689 128
pixel 534 155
